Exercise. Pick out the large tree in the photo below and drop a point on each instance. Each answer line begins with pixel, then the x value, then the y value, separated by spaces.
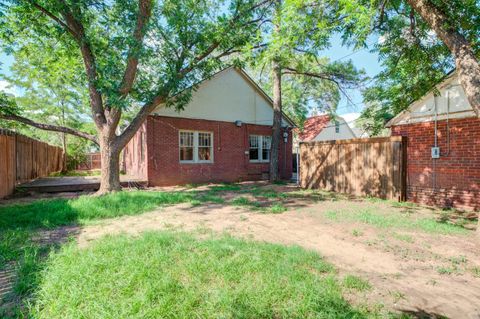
pixel 289 44
pixel 136 55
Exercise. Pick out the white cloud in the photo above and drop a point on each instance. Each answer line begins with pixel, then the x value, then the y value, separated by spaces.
pixel 7 88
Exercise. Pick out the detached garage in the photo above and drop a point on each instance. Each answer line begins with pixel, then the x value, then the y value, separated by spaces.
pixel 443 164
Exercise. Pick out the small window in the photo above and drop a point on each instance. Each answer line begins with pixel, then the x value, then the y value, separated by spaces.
pixel 204 146
pixel 196 147
pixel 254 147
pixel 260 148
pixel 337 127
pixel 266 145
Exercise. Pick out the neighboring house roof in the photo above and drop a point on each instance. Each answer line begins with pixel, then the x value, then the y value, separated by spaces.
pixel 427 108
pixel 312 127
pixel 253 84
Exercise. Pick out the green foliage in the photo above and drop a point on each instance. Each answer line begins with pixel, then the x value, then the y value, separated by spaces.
pixel 8 106
pixel 414 60
pixel 294 34
pixel 211 278
pixel 72 58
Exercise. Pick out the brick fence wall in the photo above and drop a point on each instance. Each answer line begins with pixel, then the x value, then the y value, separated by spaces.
pixel 230 159
pixel 453 180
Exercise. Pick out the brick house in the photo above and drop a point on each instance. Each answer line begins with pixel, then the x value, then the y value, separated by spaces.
pixel 222 135
pixel 443 150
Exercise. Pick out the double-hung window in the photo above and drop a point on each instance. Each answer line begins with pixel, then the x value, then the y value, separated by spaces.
pixel 196 147
pixel 260 148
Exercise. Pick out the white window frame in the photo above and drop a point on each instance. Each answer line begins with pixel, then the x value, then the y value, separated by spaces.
pixel 260 149
pixel 195 148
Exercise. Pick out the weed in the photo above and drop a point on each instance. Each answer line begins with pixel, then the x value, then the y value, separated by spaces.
pixel 357 233
pixel 404 237
pixel 475 271
pixel 357 283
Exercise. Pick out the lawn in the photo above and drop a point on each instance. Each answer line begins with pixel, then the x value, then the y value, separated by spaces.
pixel 175 275
pixel 207 274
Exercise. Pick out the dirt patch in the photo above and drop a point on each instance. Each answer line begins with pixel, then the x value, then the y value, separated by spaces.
pixel 411 271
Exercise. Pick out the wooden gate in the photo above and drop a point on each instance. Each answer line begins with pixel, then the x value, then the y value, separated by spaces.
pixel 361 167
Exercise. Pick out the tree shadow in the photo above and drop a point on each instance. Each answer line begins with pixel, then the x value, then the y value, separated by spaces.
pixel 422 314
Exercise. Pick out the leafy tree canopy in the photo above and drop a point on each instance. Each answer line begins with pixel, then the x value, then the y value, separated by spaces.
pixel 294 33
pixel 414 60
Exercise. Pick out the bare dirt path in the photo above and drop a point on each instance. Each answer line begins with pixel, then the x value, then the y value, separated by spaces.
pixel 419 273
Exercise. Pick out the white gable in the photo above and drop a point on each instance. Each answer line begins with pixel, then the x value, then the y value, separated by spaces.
pixel 329 132
pixel 451 103
pixel 228 96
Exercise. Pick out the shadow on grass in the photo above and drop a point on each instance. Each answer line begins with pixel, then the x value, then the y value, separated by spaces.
pixel 29 231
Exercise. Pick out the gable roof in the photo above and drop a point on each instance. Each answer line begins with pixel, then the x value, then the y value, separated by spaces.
pixel 252 84
pixel 412 114
pixel 313 126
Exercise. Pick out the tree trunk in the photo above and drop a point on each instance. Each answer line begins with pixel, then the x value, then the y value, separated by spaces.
pixel 466 62
pixel 277 120
pixel 110 172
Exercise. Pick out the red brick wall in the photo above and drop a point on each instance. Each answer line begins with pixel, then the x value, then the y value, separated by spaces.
pixel 135 154
pixel 230 163
pixel 453 180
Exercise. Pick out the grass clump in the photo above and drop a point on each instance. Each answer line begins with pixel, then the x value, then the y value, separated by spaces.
pixel 276 208
pixel 174 275
pixel 244 201
pixel 356 283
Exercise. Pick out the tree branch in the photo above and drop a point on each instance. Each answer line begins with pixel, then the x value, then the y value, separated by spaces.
pixel 52 16
pixel 144 14
pixel 90 65
pixel 160 98
pixel 49 127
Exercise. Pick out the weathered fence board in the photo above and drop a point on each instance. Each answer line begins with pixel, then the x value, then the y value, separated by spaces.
pixel 361 167
pixel 92 161
pixel 23 159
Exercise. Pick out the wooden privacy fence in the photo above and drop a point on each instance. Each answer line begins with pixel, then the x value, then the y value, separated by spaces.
pixel 23 159
pixel 361 167
pixel 92 161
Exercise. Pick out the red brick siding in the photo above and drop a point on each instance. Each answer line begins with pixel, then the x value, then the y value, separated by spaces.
pixel 230 163
pixel 134 162
pixel 453 180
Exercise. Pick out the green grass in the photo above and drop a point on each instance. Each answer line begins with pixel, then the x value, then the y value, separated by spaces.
pixel 95 172
pixel 174 275
pixel 356 283
pixel 276 208
pixel 59 212
pixel 395 221
pixel 244 201
pixel 225 187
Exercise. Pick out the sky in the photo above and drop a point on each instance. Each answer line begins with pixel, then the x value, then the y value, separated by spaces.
pixel 362 59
